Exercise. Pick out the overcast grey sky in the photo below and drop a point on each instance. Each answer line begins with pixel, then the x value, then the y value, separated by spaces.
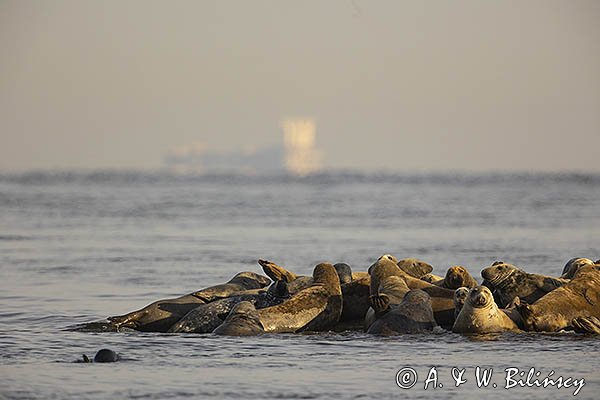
pixel 407 85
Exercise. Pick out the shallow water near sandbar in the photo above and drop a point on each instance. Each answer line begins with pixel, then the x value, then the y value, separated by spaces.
pixel 77 247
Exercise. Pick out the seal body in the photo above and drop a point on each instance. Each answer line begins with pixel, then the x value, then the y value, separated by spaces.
pixel 413 315
pixel 390 293
pixel 509 282
pixel 316 308
pixel 354 286
pixel 456 277
pixel 480 314
pixel 576 299
pixel 355 297
pixel 162 314
pixel 441 298
pixel 207 317
pixel 243 320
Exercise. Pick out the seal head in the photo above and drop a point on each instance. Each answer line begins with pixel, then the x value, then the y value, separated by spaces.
pixel 458 276
pixel 573 265
pixel 344 272
pixel 106 356
pixel 460 297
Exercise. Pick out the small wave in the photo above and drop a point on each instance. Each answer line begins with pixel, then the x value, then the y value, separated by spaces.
pixel 9 238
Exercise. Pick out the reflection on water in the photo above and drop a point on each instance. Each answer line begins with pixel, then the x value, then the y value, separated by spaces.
pixel 78 247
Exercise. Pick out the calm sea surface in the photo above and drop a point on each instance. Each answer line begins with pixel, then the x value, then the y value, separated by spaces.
pixel 77 247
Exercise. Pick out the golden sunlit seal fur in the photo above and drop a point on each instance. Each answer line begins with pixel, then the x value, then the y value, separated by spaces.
pixel 457 276
pixel 441 298
pixel 573 265
pixel 557 310
pixel 509 282
pixel 413 315
pixel 317 307
pixel 480 314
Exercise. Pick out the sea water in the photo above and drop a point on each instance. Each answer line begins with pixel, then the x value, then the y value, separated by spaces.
pixel 80 246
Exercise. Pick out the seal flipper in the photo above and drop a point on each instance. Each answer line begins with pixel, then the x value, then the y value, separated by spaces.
pixel 85 359
pixel 514 303
pixel 380 304
pixel 586 325
pixel 277 273
pixel 526 315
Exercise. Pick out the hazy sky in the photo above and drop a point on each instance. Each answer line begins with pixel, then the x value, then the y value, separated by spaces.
pixel 407 85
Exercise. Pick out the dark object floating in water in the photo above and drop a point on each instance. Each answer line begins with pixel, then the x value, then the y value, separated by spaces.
pixel 102 356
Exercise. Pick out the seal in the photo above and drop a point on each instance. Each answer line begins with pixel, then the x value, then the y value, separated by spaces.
pixel 573 265
pixel 576 299
pixel 344 272
pixel 480 314
pixel 441 298
pixel 460 296
pixel 243 320
pixel 207 317
pixel 456 277
pixel 411 266
pixel 162 314
pixel 355 297
pixel 102 356
pixel 413 315
pixel 355 292
pixel 316 308
pixel 509 282
pixel 415 267
pixel 390 293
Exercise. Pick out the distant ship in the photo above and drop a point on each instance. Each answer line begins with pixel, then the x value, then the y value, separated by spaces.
pixel 297 155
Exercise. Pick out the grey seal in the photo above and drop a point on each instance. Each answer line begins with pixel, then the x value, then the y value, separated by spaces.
pixel 480 314
pixel 317 307
pixel 460 297
pixel 457 276
pixel 413 315
pixel 207 317
pixel 162 314
pixel 557 310
pixel 102 356
pixel 441 298
pixel 509 282
pixel 243 320
pixel 573 265
pixel 354 286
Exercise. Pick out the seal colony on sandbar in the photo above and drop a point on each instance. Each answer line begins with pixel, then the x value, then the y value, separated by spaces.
pixel 394 296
